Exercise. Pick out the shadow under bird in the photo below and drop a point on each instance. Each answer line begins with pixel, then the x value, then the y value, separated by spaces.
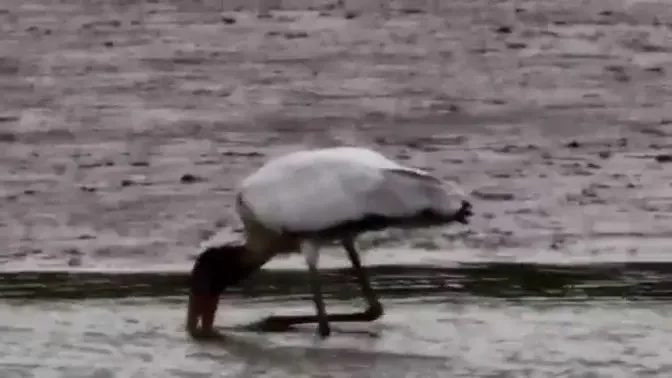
pixel 303 200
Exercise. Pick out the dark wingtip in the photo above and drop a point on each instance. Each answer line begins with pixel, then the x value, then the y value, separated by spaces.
pixel 464 213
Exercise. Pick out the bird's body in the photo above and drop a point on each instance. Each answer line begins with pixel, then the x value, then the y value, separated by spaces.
pixel 297 202
pixel 320 192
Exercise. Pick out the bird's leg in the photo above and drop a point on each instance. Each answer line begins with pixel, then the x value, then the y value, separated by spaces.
pixel 311 253
pixel 374 307
pixel 278 323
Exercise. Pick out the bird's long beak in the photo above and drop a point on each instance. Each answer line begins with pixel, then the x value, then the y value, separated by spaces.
pixel 201 309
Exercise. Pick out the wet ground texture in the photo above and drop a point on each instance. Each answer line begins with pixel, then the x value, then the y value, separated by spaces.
pixel 125 126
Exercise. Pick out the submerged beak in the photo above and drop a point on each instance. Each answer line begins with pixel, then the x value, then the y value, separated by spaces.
pixel 203 301
pixel 214 270
pixel 201 309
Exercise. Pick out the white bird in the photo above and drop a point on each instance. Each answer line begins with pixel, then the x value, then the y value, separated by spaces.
pixel 300 201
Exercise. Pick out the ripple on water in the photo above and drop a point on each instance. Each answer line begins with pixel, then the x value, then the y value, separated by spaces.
pixel 416 338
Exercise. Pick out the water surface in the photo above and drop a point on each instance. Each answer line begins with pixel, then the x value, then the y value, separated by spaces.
pixel 417 338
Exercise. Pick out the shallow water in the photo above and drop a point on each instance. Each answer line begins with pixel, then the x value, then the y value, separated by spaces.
pixel 416 338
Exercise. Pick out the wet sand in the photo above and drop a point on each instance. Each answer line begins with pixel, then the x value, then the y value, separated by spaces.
pixel 416 339
pixel 126 127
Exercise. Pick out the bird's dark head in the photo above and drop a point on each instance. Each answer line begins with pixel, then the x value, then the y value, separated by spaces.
pixel 214 270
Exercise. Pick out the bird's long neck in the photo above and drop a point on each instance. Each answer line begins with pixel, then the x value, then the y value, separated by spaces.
pixel 264 246
pixel 263 243
pixel 258 252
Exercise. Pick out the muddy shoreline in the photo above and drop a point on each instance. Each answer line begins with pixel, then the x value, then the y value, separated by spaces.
pixel 629 281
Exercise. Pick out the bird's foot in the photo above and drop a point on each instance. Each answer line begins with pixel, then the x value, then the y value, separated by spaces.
pixel 204 334
pixel 323 330
pixel 270 324
pixel 374 312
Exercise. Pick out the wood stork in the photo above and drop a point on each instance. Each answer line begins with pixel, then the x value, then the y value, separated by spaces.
pixel 297 202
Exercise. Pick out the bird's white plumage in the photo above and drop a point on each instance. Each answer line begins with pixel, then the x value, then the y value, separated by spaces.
pixel 317 189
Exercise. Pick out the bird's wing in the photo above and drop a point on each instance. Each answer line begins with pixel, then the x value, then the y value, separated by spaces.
pixel 312 198
pixel 309 197
pixel 405 192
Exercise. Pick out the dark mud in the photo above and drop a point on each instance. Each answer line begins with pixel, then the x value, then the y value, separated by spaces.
pixel 499 280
